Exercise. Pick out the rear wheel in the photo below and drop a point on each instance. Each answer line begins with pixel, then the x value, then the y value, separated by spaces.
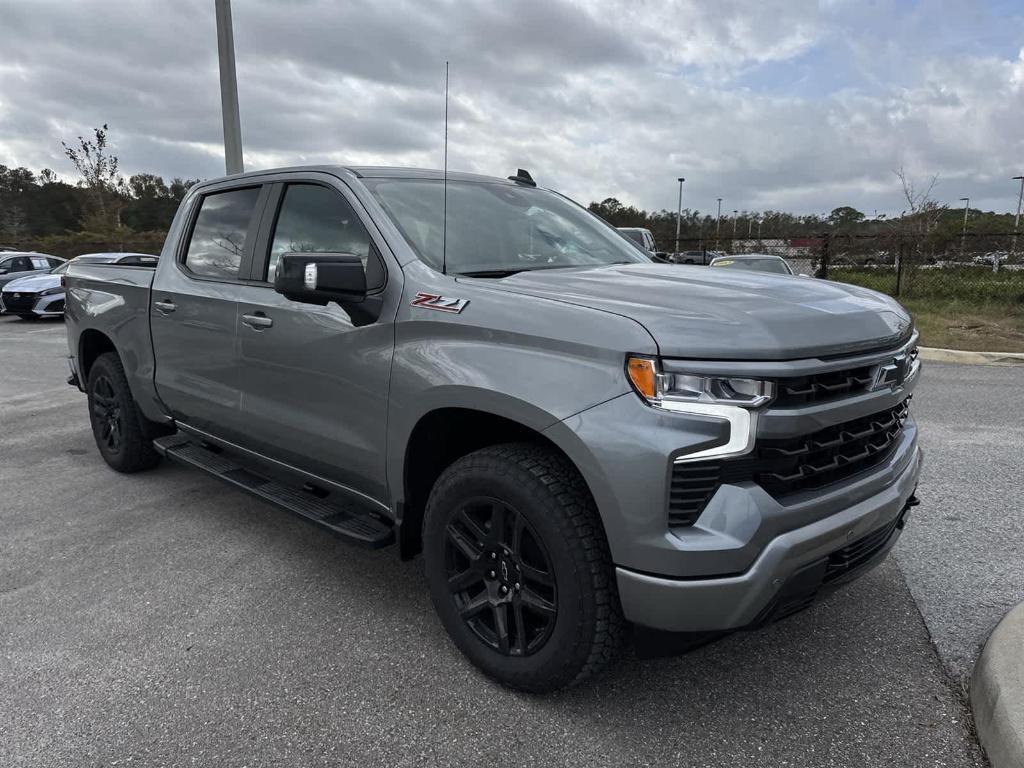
pixel 115 418
pixel 519 569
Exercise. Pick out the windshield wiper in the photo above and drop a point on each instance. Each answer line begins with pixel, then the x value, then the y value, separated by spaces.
pixel 490 272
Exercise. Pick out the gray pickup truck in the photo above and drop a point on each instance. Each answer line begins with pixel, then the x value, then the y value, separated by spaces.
pixel 579 441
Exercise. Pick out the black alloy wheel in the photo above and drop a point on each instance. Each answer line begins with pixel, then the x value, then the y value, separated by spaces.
pixel 500 576
pixel 106 414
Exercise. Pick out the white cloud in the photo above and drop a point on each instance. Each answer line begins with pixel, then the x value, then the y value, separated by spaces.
pixel 767 103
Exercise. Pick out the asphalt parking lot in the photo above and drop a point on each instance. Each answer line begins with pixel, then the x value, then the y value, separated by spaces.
pixel 165 619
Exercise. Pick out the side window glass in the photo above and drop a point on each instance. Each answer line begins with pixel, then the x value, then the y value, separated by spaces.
pixel 40 263
pixel 316 219
pixel 218 237
pixel 21 264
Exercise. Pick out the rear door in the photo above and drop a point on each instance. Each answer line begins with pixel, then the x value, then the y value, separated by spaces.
pixel 314 379
pixel 193 309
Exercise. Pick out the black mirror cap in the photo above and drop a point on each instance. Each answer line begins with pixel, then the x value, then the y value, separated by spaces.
pixel 317 278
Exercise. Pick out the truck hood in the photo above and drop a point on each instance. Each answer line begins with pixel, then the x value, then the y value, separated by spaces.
pixel 33 283
pixel 697 312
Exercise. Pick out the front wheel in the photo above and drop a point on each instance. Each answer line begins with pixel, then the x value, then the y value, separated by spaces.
pixel 115 418
pixel 519 569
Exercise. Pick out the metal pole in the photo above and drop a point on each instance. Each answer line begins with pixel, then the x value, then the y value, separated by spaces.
pixel 228 88
pixel 734 213
pixel 1016 221
pixel 963 233
pixel 759 222
pixel 679 212
pixel 718 223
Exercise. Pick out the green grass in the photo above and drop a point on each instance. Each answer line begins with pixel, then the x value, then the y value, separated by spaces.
pixel 957 308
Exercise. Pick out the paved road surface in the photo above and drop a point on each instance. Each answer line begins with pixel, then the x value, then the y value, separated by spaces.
pixel 163 619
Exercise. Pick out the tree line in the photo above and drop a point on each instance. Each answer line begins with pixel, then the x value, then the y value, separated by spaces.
pixel 103 206
pixel 923 218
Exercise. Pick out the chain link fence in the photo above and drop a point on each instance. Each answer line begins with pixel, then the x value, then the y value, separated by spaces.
pixel 975 267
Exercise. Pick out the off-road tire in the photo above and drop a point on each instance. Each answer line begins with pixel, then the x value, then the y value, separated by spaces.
pixel 543 487
pixel 111 406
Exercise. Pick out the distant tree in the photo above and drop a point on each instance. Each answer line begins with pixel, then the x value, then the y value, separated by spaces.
pixel 845 216
pixel 619 215
pixel 152 203
pixel 106 189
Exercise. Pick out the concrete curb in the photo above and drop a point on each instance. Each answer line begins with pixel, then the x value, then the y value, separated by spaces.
pixel 997 693
pixel 940 355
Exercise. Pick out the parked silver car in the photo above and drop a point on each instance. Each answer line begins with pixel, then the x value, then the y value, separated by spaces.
pixel 42 295
pixel 15 264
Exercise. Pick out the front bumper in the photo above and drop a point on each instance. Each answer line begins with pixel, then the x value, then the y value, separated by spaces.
pixel 40 305
pixel 789 572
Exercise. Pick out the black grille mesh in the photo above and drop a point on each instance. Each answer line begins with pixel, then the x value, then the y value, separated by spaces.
pixel 784 467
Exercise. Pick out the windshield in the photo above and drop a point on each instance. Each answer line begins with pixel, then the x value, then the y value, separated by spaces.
pixel 755 265
pixel 498 228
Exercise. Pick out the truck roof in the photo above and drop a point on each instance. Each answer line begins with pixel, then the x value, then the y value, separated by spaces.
pixel 372 172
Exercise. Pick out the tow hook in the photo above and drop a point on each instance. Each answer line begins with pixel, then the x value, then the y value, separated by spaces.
pixel 912 501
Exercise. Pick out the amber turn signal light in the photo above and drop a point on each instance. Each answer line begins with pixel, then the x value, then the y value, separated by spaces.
pixel 642 375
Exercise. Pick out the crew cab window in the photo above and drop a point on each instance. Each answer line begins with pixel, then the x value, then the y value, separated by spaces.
pixel 218 237
pixel 315 219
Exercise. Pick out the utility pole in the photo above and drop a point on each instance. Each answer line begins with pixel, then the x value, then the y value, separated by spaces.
pixel 718 224
pixel 1016 221
pixel 963 233
pixel 228 88
pixel 679 212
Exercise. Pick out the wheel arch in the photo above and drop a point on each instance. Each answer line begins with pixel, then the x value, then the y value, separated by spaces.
pixel 445 433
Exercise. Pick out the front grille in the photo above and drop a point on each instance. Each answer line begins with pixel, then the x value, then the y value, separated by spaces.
pixel 818 387
pixel 785 467
pixel 23 303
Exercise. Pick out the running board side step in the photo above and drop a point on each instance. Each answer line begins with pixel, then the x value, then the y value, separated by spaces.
pixel 353 522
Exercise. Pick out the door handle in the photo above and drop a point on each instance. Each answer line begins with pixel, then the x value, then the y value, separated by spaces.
pixel 165 306
pixel 258 321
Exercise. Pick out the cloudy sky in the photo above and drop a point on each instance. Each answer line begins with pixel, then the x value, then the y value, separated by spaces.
pixel 782 104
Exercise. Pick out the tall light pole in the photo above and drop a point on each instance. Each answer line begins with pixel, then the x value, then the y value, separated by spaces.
pixel 718 224
pixel 1016 221
pixel 733 244
pixel 963 233
pixel 760 221
pixel 679 212
pixel 228 88
pixel 750 226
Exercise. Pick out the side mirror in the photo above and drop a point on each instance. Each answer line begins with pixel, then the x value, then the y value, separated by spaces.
pixel 317 278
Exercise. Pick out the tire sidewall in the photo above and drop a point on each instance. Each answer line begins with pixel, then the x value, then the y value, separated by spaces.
pixel 529 497
pixel 104 367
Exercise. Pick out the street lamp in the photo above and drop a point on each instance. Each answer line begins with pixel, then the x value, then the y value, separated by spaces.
pixel 679 212
pixel 733 243
pixel 228 88
pixel 1016 221
pixel 760 221
pixel 718 224
pixel 963 234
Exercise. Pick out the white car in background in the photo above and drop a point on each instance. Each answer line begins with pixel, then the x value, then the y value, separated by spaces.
pixel 42 295
pixel 16 264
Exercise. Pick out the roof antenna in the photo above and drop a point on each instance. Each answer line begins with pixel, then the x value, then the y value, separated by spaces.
pixel 444 183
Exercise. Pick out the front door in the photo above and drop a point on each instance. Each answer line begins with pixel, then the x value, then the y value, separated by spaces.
pixel 193 312
pixel 314 380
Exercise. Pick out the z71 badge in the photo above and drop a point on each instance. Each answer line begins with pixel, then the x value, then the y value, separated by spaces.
pixel 440 303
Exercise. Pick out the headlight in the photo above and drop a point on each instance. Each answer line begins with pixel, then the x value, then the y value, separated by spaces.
pixel 51 291
pixel 660 388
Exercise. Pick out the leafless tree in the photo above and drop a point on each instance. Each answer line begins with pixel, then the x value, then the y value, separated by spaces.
pixel 100 178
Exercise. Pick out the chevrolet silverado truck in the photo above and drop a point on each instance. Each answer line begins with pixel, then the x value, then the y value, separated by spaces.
pixel 579 441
